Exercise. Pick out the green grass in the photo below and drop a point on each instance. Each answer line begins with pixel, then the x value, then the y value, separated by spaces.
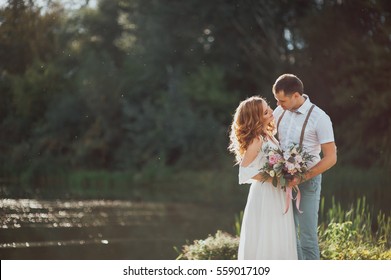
pixel 348 183
pixel 341 241
pixel 354 209
pixel 217 185
pixel 355 233
pixel 368 225
pixel 100 184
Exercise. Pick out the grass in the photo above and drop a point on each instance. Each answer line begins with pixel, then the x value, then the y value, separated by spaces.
pixel 217 185
pixel 348 183
pixel 355 233
pixel 355 209
pixel 362 218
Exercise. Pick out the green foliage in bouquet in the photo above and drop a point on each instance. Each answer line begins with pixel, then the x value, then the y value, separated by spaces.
pixel 282 166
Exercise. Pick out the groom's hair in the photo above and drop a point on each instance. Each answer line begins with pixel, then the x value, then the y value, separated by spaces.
pixel 288 83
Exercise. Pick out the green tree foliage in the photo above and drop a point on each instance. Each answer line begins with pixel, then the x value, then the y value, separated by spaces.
pixel 344 61
pixel 26 35
pixel 130 84
pixel 28 47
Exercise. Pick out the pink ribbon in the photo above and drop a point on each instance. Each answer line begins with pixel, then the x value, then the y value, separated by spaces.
pixel 289 196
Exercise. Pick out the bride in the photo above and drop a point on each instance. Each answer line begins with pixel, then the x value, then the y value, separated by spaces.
pixel 266 232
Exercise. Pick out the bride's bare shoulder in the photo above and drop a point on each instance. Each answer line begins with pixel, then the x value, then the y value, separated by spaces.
pixel 252 151
pixel 256 143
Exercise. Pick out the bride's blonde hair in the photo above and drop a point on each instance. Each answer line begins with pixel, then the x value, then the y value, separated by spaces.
pixel 248 124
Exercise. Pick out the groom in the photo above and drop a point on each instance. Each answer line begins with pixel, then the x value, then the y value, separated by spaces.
pixel 301 122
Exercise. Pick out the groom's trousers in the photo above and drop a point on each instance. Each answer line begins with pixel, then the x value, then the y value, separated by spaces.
pixel 307 222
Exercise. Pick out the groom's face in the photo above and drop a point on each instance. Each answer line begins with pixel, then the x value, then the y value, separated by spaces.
pixel 287 102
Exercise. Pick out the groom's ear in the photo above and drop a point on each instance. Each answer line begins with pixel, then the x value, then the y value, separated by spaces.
pixel 296 94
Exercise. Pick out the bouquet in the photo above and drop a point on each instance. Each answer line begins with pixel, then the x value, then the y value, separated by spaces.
pixel 283 166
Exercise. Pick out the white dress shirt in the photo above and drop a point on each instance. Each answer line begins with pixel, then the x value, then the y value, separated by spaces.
pixel 319 129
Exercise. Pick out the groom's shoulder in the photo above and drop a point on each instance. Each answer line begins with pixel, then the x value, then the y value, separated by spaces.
pixel 320 114
pixel 319 110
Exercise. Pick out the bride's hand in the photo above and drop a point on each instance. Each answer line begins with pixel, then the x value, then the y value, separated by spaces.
pixel 294 182
pixel 260 177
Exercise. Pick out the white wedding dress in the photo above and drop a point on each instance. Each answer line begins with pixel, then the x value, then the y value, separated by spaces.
pixel 266 233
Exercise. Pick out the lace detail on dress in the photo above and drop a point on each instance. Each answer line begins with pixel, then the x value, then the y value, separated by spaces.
pixel 246 173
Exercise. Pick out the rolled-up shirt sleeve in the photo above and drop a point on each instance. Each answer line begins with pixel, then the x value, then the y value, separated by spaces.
pixel 246 174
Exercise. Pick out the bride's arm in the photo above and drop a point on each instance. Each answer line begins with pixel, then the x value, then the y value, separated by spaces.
pixel 250 155
pixel 259 177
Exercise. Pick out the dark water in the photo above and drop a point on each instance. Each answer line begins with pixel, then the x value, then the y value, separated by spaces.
pixel 103 229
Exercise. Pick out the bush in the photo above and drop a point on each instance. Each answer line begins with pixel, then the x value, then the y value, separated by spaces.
pixel 354 234
pixel 222 246
pixel 366 225
pixel 340 241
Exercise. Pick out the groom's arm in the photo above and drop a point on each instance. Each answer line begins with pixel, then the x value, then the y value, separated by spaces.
pixel 329 159
pixel 325 134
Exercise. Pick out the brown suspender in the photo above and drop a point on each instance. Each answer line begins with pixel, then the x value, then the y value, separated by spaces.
pixel 304 124
pixel 279 120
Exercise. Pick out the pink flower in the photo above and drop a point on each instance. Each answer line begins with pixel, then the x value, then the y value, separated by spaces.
pixel 273 159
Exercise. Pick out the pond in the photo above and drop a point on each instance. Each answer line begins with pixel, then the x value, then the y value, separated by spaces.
pixel 104 229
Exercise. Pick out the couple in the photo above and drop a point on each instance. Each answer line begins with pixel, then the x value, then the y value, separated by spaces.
pixel 266 232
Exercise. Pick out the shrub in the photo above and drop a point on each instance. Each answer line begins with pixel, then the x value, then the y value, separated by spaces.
pixel 354 234
pixel 340 241
pixel 222 246
pixel 366 225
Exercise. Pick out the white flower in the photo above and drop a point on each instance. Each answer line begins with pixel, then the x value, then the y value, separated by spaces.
pixel 272 173
pixel 289 166
pixel 298 159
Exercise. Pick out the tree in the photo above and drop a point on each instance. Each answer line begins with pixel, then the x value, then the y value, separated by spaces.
pixel 344 62
pixel 26 35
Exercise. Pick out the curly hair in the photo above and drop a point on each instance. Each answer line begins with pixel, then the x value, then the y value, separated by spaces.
pixel 248 124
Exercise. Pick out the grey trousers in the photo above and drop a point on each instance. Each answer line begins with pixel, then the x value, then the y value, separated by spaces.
pixel 307 222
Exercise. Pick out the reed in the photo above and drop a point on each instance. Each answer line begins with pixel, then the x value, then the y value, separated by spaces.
pixel 349 183
pixel 369 226
pixel 354 233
